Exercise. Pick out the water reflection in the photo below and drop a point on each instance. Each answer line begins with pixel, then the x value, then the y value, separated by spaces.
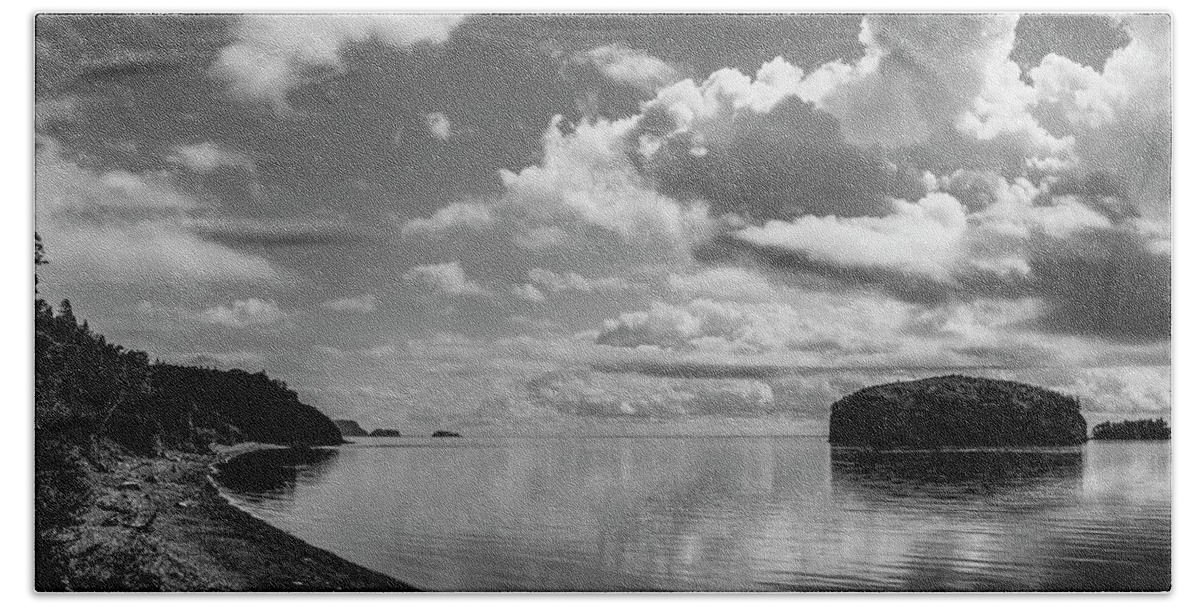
pixel 953 476
pixel 274 473
pixel 729 514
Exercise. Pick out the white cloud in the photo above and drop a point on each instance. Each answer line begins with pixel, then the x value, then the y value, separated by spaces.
pixel 920 73
pixel 466 216
pixel 207 157
pixel 65 187
pixel 363 303
pixel 585 392
pixel 446 278
pixel 708 325
pixel 128 228
pixel 438 125
pixel 1123 389
pixel 585 194
pixel 1120 117
pixel 244 313
pixel 922 238
pixel 586 178
pixel 554 282
pixel 622 64
pixel 273 51
pixel 529 293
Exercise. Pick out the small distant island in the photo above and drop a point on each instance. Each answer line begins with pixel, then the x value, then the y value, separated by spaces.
pixel 446 434
pixel 385 433
pixel 956 411
pixel 350 428
pixel 1144 429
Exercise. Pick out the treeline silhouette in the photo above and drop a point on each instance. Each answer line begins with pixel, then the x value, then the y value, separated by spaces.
pixel 1132 429
pixel 86 387
pixel 94 399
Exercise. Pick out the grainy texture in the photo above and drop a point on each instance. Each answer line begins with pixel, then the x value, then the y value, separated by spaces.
pixel 956 411
pixel 159 524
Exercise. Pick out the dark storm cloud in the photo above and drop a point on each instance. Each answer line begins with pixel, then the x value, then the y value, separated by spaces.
pixel 1086 39
pixel 790 161
pixel 1104 283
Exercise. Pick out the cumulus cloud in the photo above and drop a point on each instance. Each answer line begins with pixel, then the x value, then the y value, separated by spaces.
pixel 273 53
pixel 709 325
pixel 755 147
pixel 1136 390
pixel 446 278
pixel 1120 117
pixel 206 157
pixel 586 196
pixel 364 303
pixel 456 216
pixel 244 313
pixel 624 65
pixel 920 73
pixel 64 188
pixel 586 178
pixel 584 392
pixel 438 125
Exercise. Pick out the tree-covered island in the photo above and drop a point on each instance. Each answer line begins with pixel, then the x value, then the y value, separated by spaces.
pixel 955 411
pixel 1145 429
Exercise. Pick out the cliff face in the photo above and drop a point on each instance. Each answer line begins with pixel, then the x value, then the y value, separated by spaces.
pixel 956 411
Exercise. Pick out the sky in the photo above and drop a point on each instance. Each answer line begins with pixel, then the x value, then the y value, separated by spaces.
pixel 545 223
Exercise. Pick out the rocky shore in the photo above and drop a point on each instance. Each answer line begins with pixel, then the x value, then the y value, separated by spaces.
pixel 159 524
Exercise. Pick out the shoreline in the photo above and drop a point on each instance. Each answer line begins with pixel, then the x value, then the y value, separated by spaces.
pixel 162 524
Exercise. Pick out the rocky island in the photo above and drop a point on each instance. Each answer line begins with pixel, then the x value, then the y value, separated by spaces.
pixel 954 412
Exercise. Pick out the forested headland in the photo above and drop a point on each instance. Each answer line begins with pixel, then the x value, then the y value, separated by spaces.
pixel 96 402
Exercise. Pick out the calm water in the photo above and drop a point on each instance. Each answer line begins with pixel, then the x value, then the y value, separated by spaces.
pixel 737 513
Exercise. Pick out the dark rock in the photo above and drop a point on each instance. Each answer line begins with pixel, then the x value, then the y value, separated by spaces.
pixel 350 428
pixel 385 433
pixel 446 434
pixel 956 411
